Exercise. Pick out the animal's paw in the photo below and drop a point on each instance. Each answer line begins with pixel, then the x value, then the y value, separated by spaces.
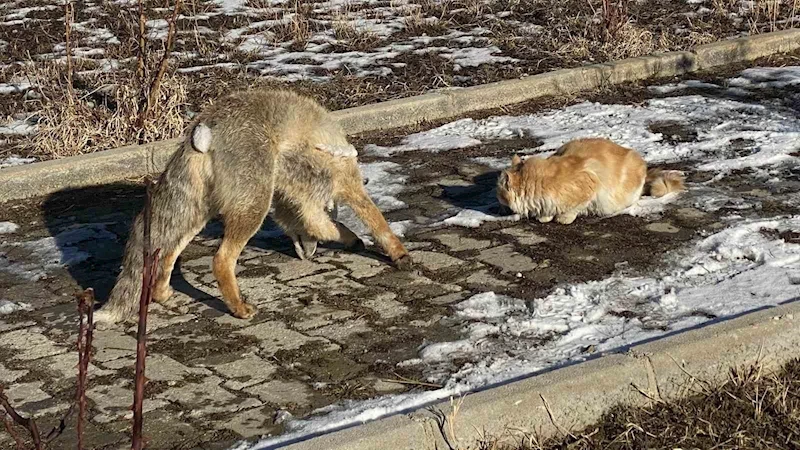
pixel 545 219
pixel 566 219
pixel 105 320
pixel 245 311
pixel 163 296
pixel 404 262
pixel 304 247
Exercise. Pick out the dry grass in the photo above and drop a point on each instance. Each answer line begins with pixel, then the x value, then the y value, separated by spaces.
pixel 350 37
pixel 750 409
pixel 104 113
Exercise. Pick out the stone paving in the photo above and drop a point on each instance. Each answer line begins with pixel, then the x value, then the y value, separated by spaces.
pixel 326 330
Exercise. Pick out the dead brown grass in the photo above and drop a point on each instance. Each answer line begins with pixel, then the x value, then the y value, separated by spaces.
pixel 104 113
pixel 750 409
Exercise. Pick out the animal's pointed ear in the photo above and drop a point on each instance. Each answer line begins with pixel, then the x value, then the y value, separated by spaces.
pixel 515 161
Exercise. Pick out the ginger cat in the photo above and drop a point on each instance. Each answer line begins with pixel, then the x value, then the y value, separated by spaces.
pixel 585 176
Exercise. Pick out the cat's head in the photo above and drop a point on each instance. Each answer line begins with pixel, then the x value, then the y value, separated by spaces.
pixel 509 181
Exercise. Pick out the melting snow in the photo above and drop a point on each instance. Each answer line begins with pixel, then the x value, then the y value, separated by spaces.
pixel 14 160
pixel 8 227
pixel 40 256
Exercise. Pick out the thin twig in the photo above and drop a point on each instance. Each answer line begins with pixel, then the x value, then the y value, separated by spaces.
pixel 27 423
pixel 560 429
pixel 85 307
pixel 148 280
pixel 155 86
pixel 69 13
pixel 142 53
pixel 149 98
pixel 412 382
pixel 10 429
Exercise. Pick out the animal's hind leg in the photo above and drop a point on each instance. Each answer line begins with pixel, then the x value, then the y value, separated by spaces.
pixel 241 224
pixel 162 290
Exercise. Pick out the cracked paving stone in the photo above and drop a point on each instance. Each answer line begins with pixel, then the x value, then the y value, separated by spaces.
pixel 434 260
pixel 8 376
pixel 274 336
pixel 164 368
pixel 507 259
pixel 299 268
pixel 340 332
pixel 161 317
pixel 112 344
pixel 114 401
pixel 484 278
pixel 333 282
pixel 29 398
pixel 458 243
pixel 30 344
pixel 166 431
pixel 318 315
pixel 447 299
pixel 250 423
pixel 203 263
pixel 245 371
pixel 265 292
pixel 282 393
pixel 359 266
pixel 15 325
pixel 524 237
pixel 66 365
pixel 386 306
pixel 206 397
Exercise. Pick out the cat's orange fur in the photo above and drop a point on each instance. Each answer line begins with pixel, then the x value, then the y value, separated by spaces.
pixel 585 176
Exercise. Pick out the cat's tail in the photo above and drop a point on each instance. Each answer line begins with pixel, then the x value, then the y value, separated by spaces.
pixel 661 182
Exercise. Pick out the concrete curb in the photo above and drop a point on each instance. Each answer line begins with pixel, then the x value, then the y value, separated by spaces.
pixel 137 161
pixel 578 395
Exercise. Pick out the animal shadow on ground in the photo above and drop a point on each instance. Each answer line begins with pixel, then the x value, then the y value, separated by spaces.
pixel 480 196
pixel 96 221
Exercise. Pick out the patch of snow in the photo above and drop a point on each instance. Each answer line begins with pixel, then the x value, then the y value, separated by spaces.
pixel 230 6
pixel 32 260
pixel 17 128
pixel 14 88
pixel 8 227
pixel 473 218
pixel 14 160
pixel 9 307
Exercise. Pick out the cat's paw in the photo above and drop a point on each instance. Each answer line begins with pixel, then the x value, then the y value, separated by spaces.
pixel 544 219
pixel 566 219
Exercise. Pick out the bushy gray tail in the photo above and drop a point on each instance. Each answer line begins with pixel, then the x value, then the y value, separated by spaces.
pixel 179 210
pixel 123 302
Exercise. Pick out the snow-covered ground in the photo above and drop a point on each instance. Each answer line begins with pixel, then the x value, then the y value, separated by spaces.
pixel 750 263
